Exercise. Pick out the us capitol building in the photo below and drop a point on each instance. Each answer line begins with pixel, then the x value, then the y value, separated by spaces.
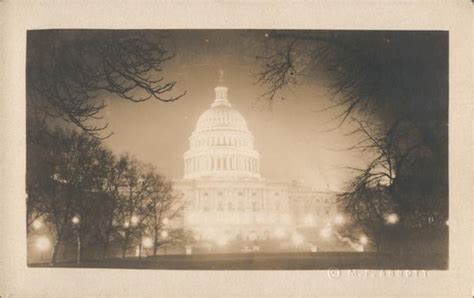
pixel 230 203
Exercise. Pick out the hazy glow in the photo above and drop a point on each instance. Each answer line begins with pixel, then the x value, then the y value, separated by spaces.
pixel 147 242
pixel 134 220
pixel 363 239
pixel 309 221
pixel 221 241
pixel 326 232
pixel 279 232
pixel 339 219
pixel 43 243
pixel 126 224
pixel 37 224
pixel 164 234
pixel 76 220
pixel 392 218
pixel 297 239
pixel 189 250
pixel 166 221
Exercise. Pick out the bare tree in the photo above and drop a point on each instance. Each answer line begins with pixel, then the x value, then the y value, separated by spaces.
pixel 166 208
pixel 69 71
pixel 63 174
pixel 388 79
pixel 132 209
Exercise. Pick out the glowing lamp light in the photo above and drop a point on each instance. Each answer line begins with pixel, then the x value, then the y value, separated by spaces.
pixel 37 224
pixel 309 221
pixel 339 219
pixel 166 221
pixel 326 232
pixel 252 236
pixel 392 218
pixel 42 243
pixel 189 250
pixel 134 220
pixel 363 240
pixel 280 233
pixel 126 224
pixel 76 220
pixel 297 239
pixel 221 241
pixel 164 234
pixel 147 242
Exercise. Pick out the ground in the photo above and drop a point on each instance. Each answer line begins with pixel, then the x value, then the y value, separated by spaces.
pixel 267 261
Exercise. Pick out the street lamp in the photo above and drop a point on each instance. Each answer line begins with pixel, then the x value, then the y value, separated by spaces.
pixel 326 232
pixel 164 234
pixel 76 220
pixel 280 232
pixel 391 218
pixel 222 241
pixel 147 242
pixel 339 219
pixel 42 244
pixel 134 220
pixel 297 239
pixel 37 224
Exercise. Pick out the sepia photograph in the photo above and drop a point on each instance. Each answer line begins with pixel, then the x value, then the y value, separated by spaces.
pixel 237 149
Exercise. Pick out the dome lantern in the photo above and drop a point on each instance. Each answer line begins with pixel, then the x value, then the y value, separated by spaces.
pixel 221 92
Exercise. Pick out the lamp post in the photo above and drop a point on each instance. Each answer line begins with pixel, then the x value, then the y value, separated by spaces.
pixel 164 235
pixel 76 221
pixel 363 241
pixel 43 244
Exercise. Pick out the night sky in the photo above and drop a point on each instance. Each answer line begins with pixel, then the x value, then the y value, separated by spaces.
pixel 295 139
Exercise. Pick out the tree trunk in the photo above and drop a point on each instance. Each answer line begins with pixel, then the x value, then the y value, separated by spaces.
pixel 155 244
pixel 55 251
pixel 105 248
pixel 140 246
pixel 124 251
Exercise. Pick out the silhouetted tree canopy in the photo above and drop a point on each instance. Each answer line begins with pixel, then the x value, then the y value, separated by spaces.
pixel 394 87
pixel 67 70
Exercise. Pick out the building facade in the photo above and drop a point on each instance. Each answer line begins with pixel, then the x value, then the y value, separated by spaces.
pixel 229 204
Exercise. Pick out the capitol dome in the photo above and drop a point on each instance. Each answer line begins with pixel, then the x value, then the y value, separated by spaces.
pixel 221 146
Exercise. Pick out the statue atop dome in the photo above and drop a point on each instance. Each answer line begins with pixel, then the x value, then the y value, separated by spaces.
pixel 221 92
pixel 221 76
